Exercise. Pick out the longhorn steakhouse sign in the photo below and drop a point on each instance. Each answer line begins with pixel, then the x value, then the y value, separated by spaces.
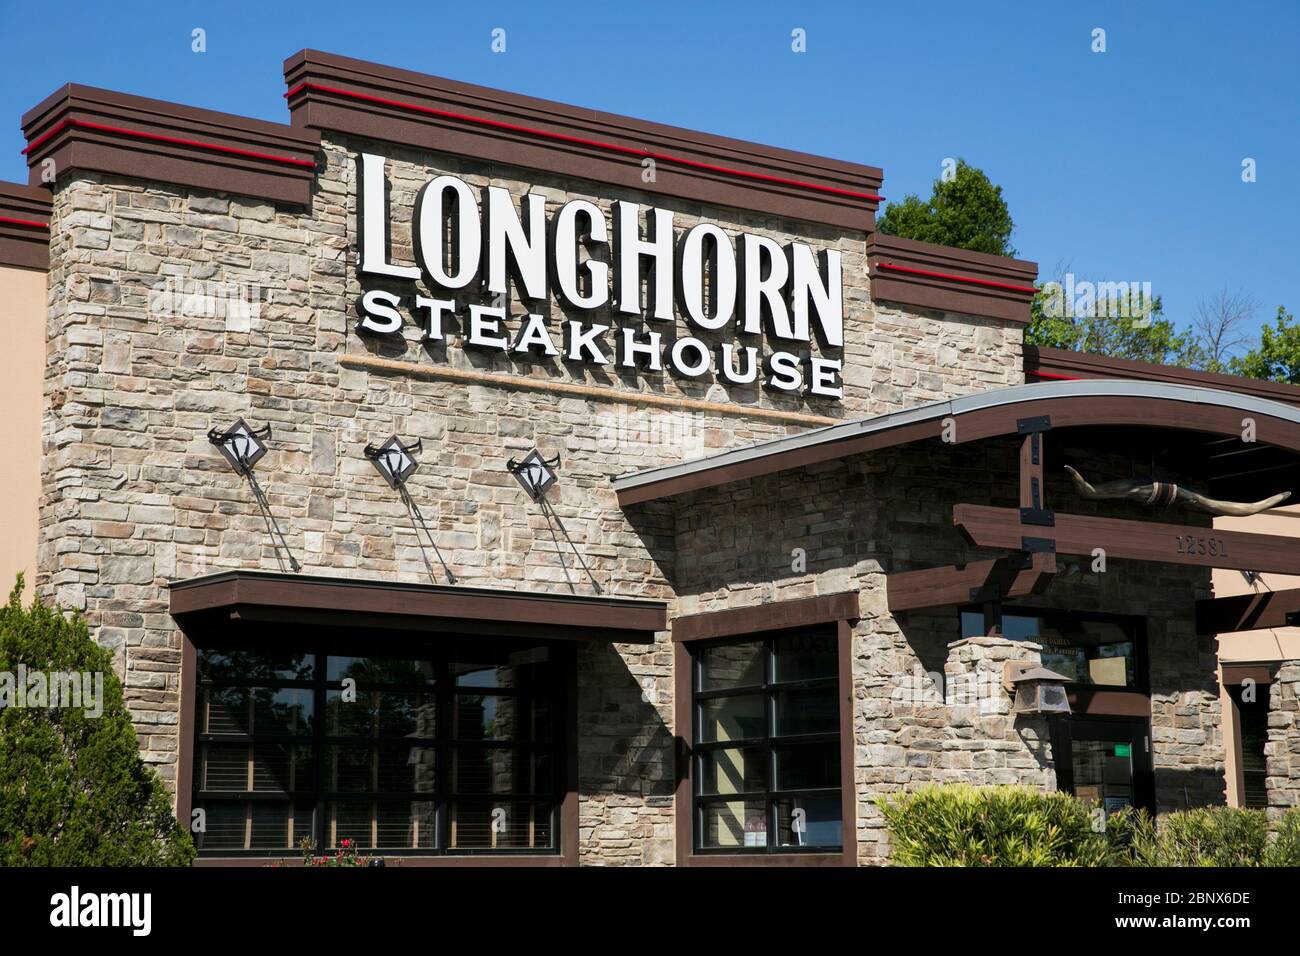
pixel 480 246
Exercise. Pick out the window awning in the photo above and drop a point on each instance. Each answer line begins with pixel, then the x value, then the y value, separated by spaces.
pixel 217 599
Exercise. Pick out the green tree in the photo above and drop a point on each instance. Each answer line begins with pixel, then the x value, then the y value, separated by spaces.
pixel 73 789
pixel 966 211
pixel 1277 359
pixel 1146 337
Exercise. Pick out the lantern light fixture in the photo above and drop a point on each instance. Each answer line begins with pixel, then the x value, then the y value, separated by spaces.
pixel 394 460
pixel 1039 692
pixel 534 473
pixel 243 447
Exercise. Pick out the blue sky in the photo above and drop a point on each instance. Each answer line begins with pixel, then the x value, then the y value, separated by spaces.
pixel 1122 165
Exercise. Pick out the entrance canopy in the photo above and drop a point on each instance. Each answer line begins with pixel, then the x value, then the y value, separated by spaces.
pixel 1244 447
pixel 1211 424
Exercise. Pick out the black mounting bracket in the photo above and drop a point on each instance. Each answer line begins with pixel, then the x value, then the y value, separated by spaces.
pixel 1036 423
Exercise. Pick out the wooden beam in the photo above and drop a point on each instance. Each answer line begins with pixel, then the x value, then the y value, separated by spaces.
pixel 1135 540
pixel 1010 577
pixel 1247 612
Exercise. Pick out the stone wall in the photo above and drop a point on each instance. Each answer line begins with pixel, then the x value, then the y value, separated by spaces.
pixel 1282 751
pixel 140 367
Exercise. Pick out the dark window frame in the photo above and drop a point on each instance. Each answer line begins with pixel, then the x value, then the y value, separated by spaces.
pixel 770 742
pixel 1136 625
pixel 839 610
pixel 443 652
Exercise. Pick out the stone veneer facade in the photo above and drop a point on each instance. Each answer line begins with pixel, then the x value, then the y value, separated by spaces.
pixel 133 496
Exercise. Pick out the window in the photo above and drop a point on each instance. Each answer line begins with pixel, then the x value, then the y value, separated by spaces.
pixel 1087 649
pixel 410 754
pixel 767 744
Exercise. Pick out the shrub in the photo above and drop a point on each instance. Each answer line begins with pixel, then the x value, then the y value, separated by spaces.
pixel 1285 848
pixel 73 789
pixel 1207 836
pixel 962 825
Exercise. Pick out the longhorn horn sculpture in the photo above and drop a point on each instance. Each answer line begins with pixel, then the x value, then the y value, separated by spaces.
pixel 1166 493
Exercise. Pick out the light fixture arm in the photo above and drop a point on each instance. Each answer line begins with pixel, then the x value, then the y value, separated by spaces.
pixel 548 512
pixel 417 522
pixel 272 526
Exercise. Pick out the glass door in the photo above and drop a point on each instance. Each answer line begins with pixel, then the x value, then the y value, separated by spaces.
pixel 1106 761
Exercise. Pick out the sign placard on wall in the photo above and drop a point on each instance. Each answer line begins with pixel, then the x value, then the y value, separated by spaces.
pixel 637 271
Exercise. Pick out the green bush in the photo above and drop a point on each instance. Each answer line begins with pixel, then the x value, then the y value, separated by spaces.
pixel 1285 848
pixel 962 825
pixel 1207 836
pixel 73 789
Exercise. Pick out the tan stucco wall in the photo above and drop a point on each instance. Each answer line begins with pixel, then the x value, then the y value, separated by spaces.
pixel 22 339
pixel 1280 643
pixel 1271 644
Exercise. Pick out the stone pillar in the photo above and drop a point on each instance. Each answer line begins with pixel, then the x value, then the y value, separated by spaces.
pixel 1282 750
pixel 983 739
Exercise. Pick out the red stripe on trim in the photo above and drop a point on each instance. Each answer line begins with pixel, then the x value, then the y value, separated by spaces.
pixel 1068 378
pixel 173 140
pixel 596 143
pixel 29 223
pixel 954 278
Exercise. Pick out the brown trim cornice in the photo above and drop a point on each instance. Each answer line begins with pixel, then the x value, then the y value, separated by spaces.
pixel 84 128
pixel 772 616
pixel 300 598
pixel 340 94
pixel 952 280
pixel 24 226
pixel 1049 363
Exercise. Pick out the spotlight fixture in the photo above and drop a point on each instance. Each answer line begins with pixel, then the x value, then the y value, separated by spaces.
pixel 243 447
pixel 535 473
pixel 395 462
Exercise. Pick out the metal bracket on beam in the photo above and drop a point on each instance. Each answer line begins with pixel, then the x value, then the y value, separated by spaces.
pixel 1036 423
pixel 1038 545
pixel 1039 516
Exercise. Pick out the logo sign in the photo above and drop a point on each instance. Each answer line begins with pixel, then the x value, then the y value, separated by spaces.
pixel 621 285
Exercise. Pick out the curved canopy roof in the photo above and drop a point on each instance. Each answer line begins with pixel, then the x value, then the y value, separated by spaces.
pixel 1096 402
